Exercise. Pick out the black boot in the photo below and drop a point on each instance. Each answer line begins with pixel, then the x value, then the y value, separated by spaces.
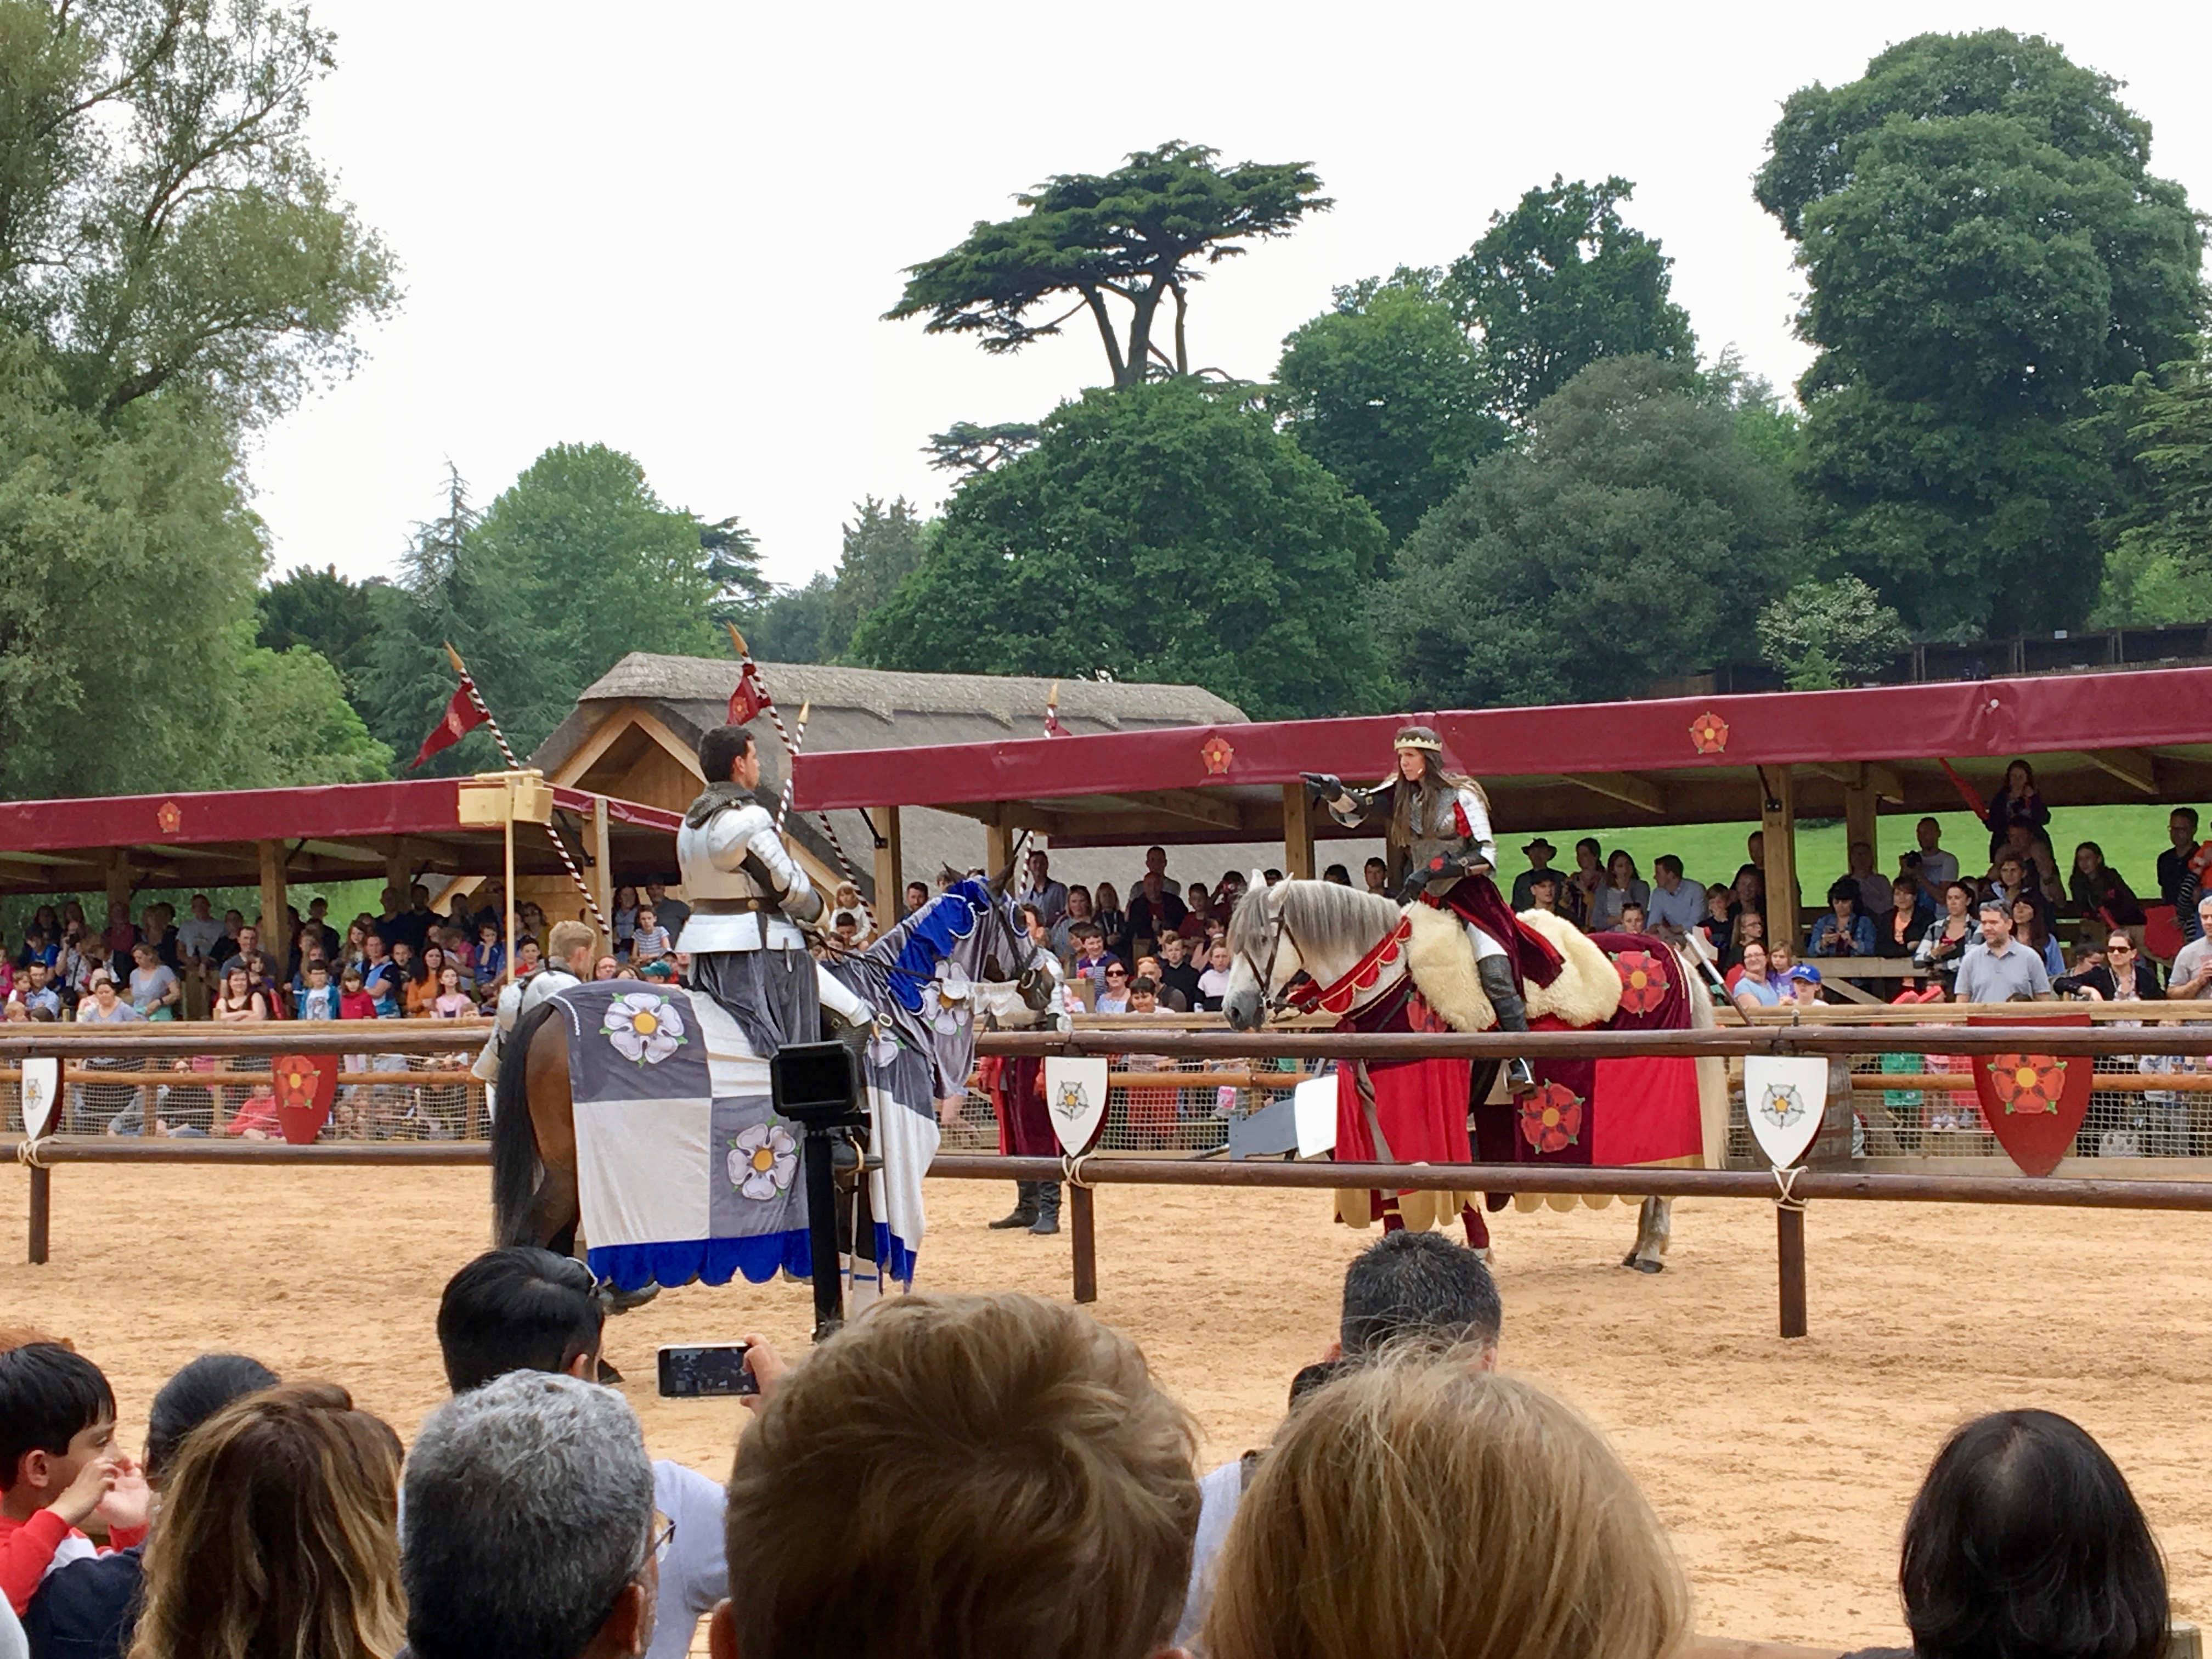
pixel 1024 1211
pixel 1048 1209
pixel 1504 996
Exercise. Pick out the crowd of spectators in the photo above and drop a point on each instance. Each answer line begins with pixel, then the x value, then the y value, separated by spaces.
pixel 1165 952
pixel 411 962
pixel 953 1474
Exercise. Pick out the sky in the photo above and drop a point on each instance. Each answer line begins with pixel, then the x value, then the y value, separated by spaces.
pixel 674 228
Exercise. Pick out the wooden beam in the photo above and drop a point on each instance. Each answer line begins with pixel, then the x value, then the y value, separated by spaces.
pixel 1297 833
pixel 1638 792
pixel 1777 827
pixel 118 882
pixel 890 866
pixel 603 865
pixel 1192 804
pixel 1858 820
pixel 276 925
pixel 997 848
pixel 1886 782
pixel 2135 768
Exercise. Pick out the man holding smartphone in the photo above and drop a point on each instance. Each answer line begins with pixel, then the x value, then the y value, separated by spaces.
pixel 527 1310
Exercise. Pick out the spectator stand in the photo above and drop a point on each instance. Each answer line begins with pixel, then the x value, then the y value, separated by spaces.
pixel 1858 755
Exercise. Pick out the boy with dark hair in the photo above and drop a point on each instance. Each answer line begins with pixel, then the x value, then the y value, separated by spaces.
pixel 58 1465
pixel 523 1309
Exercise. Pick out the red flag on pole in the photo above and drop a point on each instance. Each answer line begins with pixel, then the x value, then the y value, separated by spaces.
pixel 750 696
pixel 463 715
pixel 1967 793
pixel 1053 728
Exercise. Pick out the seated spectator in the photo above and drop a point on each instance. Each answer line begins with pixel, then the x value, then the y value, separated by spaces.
pixel 1091 955
pixel 1113 921
pixel 451 1002
pixel 1376 875
pixel 578 1578
pixel 1843 932
pixel 1113 990
pixel 1337 875
pixel 354 1001
pixel 2002 970
pixel 34 994
pixel 277 1532
pixel 527 1309
pixel 1944 946
pixel 1751 987
pixel 1621 886
pixel 2099 890
pixel 651 942
pixel 917 896
pixel 1155 912
pixel 2025 1539
pixel 1539 852
pixel 528 958
pixel 1406 1291
pixel 156 992
pixel 103 1006
pixel 2174 870
pixel 1418 1507
pixel 320 1000
pixel 59 1465
pixel 2007 879
pixel 491 958
pixel 1213 983
pixel 969 1474
pixel 606 968
pixel 89 1606
pixel 1078 916
pixel 1938 869
pixel 1631 918
pixel 2193 964
pixel 1905 921
pixel 2031 927
pixel 1197 912
pixel 1718 923
pixel 1544 892
pixel 2123 975
pixel 238 1003
pixel 1749 928
pixel 1674 906
pixel 1803 983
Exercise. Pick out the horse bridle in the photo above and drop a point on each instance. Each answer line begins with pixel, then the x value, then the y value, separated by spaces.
pixel 1273 1002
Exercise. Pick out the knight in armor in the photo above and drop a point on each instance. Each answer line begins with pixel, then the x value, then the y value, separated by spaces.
pixel 1442 852
pixel 749 897
pixel 572 945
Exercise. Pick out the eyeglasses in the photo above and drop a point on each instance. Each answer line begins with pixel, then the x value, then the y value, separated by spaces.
pixel 1117 973
pixel 2119 950
pixel 663 1535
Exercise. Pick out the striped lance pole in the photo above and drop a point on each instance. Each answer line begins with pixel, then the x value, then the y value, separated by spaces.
pixel 791 752
pixel 506 753
pixel 791 773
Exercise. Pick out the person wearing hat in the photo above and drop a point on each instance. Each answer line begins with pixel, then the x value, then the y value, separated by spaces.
pixel 1442 853
pixel 1540 853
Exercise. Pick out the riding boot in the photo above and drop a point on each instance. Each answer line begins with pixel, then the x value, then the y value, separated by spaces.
pixel 1025 1207
pixel 1048 1209
pixel 1497 975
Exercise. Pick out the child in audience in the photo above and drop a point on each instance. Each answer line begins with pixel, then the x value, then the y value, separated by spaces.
pixel 320 1000
pixel 1213 983
pixel 452 1002
pixel 651 942
pixel 59 1465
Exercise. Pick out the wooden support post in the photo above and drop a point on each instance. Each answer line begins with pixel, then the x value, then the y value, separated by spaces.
pixel 890 867
pixel 1297 833
pixel 1777 827
pixel 118 891
pixel 1083 1227
pixel 42 1199
pixel 1790 1258
pixel 1858 819
pixel 603 867
pixel 398 874
pixel 275 926
pixel 997 848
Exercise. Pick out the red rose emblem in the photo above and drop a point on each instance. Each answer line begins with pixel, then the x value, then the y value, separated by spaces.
pixel 1217 754
pixel 1550 1117
pixel 2027 1083
pixel 170 817
pixel 1709 734
pixel 295 1081
pixel 1643 981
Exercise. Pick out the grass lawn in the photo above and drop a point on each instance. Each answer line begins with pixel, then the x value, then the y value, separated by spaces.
pixel 2132 838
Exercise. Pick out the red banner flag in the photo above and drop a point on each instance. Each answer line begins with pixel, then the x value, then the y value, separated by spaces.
pixel 463 715
pixel 750 696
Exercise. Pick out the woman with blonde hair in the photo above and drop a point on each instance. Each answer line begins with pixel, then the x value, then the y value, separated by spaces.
pixel 1418 1507
pixel 278 1535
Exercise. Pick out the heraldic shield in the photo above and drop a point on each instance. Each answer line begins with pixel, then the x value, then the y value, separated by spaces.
pixel 1075 1100
pixel 2033 1103
pixel 42 1093
pixel 1784 1099
pixel 306 1087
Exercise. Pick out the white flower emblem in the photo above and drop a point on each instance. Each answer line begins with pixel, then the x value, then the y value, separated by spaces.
pixel 644 1029
pixel 949 1011
pixel 882 1047
pixel 763 1160
pixel 1782 1105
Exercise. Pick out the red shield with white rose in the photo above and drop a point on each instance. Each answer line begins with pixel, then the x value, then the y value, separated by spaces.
pixel 305 1085
pixel 2033 1103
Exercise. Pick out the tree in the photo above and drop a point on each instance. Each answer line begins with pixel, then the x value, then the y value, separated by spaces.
pixel 1559 282
pixel 791 626
pixel 967 448
pixel 1984 249
pixel 1824 635
pixel 576 565
pixel 733 571
pixel 334 617
pixel 1386 392
pixel 1141 234
pixel 1627 535
pixel 883 545
pixel 1163 532
pixel 164 225
pixel 293 725
pixel 2161 568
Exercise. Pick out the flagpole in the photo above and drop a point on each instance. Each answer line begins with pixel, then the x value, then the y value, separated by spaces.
pixel 560 846
pixel 791 772
pixel 791 753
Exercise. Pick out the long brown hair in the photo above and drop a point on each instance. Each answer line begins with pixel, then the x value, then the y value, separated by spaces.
pixel 1418 1506
pixel 1435 780
pixel 278 1535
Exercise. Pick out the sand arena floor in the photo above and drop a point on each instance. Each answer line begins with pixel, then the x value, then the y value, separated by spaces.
pixel 1783 1470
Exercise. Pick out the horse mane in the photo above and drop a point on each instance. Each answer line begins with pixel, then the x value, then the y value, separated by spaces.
pixel 1325 917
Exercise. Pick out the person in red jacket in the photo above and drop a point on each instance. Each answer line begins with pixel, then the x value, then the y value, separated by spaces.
pixel 59 1466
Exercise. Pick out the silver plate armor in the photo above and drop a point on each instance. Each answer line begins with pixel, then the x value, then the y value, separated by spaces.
pixel 734 858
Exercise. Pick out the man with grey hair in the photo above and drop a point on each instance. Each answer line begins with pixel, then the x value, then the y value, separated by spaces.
pixel 528 1527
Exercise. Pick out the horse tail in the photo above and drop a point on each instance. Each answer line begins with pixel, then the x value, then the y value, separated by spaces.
pixel 514 1165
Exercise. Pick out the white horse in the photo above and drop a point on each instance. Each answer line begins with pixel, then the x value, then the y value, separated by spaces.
pixel 1341 939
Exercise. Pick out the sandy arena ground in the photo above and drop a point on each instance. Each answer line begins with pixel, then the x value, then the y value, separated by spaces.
pixel 1783 1470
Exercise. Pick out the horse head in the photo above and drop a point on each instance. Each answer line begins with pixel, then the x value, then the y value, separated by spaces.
pixel 1257 954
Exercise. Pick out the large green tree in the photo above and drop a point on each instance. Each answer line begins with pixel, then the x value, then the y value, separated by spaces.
pixel 576 565
pixel 328 614
pixel 1165 533
pixel 2161 568
pixel 1985 248
pixel 1386 391
pixel 1137 237
pixel 1560 281
pixel 1629 535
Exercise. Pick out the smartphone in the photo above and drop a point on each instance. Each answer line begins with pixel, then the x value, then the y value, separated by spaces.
pixel 706 1368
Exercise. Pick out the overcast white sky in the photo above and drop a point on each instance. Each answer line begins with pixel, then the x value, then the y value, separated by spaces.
pixel 672 228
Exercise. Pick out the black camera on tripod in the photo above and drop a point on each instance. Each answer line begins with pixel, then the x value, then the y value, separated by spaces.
pixel 818 1086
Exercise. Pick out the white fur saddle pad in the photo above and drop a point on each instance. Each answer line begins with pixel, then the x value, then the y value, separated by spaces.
pixel 1441 958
